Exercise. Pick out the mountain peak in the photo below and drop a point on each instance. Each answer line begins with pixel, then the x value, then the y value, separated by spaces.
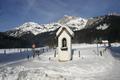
pixel 66 19
pixel 28 24
pixel 76 23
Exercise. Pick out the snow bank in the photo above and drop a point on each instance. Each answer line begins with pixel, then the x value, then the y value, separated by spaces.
pixel 85 45
pixel 115 44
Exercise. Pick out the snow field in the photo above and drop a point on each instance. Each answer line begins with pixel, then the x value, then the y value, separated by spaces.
pixel 89 66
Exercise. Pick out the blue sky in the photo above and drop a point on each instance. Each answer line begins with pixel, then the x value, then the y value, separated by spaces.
pixel 16 12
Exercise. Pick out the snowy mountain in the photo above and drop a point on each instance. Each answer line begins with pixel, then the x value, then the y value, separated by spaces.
pixel 104 27
pixel 75 23
pixel 33 28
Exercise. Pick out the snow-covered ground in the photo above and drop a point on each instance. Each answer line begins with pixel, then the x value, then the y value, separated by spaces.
pixel 89 66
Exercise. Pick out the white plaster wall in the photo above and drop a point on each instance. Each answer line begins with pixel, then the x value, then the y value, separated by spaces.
pixel 64 55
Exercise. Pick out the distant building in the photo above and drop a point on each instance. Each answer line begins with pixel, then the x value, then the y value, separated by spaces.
pixel 105 42
pixel 64 35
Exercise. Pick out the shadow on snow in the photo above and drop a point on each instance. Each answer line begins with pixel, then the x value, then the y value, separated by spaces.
pixel 115 51
pixel 4 58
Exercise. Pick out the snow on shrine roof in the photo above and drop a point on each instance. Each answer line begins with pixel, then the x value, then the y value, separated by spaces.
pixel 68 30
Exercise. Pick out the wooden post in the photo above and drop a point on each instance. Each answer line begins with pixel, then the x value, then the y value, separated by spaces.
pixel 20 50
pixel 55 54
pixel 79 53
pixel 4 51
pixel 101 53
pixel 28 56
pixel 27 49
pixel 43 50
pixel 97 48
pixel 38 53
